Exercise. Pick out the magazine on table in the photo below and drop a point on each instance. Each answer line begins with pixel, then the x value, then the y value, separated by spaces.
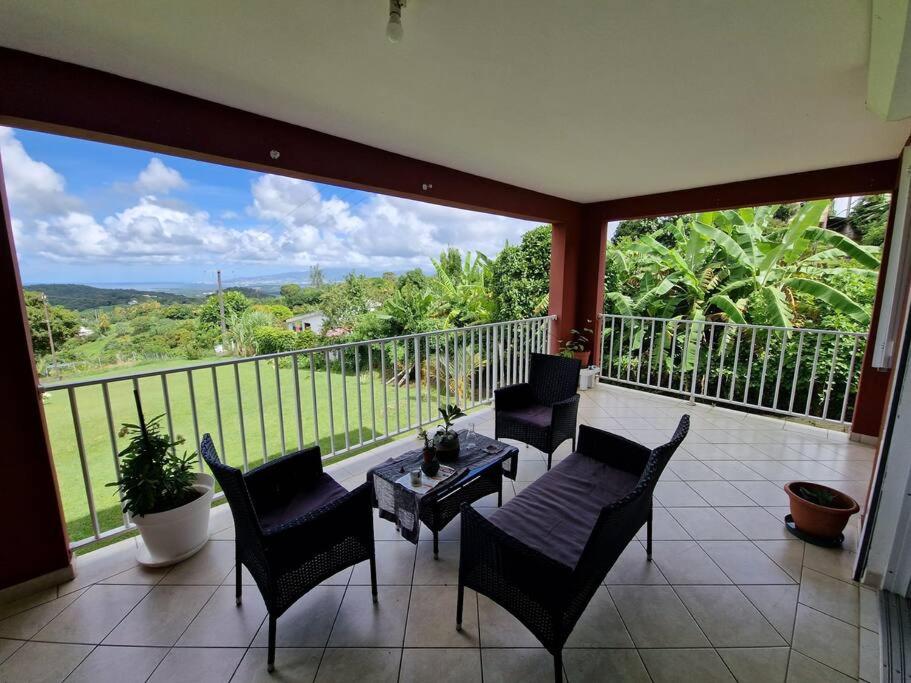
pixel 428 483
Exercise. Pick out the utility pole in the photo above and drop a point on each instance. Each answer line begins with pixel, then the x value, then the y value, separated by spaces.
pixel 50 335
pixel 221 312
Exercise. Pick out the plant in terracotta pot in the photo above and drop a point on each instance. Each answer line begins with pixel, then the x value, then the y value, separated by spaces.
pixel 163 494
pixel 446 439
pixel 575 347
pixel 819 511
pixel 430 465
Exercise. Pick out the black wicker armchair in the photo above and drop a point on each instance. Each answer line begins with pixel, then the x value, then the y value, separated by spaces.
pixel 295 526
pixel 544 568
pixel 541 412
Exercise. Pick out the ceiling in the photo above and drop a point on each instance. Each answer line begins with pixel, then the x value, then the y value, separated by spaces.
pixel 586 100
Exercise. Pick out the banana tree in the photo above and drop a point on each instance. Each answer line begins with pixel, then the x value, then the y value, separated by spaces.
pixel 734 266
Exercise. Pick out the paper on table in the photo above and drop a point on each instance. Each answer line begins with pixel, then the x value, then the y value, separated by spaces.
pixel 427 483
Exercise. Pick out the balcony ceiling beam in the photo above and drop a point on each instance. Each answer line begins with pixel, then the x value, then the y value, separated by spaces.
pixel 51 96
pixel 859 179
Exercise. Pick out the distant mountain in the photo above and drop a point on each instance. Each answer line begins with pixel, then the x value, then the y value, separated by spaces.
pixel 83 297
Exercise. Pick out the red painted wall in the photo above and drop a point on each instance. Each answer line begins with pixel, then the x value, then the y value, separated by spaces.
pixel 31 522
pixel 577 278
pixel 873 390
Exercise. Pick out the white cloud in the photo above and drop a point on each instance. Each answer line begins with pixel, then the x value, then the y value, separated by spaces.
pixel 156 178
pixel 33 187
pixel 294 225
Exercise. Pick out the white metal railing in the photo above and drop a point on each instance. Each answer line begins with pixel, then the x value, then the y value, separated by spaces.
pixel 264 406
pixel 783 370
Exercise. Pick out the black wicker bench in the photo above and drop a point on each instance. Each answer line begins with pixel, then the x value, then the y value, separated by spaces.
pixel 543 554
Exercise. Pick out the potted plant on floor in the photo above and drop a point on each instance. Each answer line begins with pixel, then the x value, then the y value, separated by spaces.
pixel 576 346
pixel 166 499
pixel 446 440
pixel 430 465
pixel 820 512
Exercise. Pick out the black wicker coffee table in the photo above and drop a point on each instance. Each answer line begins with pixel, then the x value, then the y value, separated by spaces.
pixel 479 471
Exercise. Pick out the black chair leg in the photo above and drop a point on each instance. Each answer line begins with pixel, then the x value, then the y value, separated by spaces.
pixel 459 602
pixel 238 593
pixel 648 534
pixel 558 666
pixel 373 574
pixel 271 661
pixel 500 493
pixel 550 457
pixel 436 545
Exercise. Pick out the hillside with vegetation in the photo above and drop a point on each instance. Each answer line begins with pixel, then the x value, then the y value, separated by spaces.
pixel 84 297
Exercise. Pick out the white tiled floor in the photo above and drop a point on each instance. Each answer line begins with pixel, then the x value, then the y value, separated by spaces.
pixel 730 594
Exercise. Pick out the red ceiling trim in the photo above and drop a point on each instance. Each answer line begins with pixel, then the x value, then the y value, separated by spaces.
pixel 57 97
pixel 859 179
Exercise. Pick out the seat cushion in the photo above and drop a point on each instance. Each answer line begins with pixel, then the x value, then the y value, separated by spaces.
pixel 533 415
pixel 557 513
pixel 322 491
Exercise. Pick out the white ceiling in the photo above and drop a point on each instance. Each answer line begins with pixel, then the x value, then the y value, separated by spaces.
pixel 587 100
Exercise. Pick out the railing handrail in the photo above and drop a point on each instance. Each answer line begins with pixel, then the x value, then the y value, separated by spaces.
pixel 730 324
pixel 43 387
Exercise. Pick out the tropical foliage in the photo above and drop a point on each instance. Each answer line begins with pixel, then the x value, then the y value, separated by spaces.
pixel 742 266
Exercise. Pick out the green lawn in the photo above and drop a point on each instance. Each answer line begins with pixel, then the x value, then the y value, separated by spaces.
pixel 259 442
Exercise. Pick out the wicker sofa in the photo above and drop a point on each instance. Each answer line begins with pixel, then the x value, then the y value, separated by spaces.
pixel 543 554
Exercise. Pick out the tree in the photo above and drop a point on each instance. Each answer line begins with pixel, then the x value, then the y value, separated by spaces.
pixel 463 297
pixel 408 310
pixel 740 266
pixel 344 302
pixel 64 323
pixel 521 276
pixel 104 323
pixel 235 304
pixel 317 280
pixel 638 227
pixel 450 262
pixel 242 330
pixel 869 217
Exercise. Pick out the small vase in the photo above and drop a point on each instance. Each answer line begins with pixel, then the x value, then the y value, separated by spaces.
pixel 430 466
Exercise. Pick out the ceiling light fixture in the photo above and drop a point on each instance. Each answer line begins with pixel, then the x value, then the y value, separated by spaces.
pixel 394 31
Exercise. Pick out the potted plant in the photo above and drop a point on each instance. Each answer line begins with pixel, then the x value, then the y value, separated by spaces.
pixel 576 346
pixel 166 499
pixel 446 439
pixel 818 510
pixel 430 465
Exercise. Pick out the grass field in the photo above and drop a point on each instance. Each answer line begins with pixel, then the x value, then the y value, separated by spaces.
pixel 260 432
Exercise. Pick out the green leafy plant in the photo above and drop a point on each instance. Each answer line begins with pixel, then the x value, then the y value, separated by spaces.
pixel 446 437
pixel 153 476
pixel 428 442
pixel 577 343
pixel 818 496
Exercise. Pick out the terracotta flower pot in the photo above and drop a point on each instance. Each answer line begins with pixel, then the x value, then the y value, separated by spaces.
pixel 824 521
pixel 582 356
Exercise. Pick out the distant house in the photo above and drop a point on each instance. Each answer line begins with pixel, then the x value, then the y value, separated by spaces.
pixel 313 321
pixel 85 331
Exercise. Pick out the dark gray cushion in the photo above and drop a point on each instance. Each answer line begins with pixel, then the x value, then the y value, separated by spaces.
pixel 557 513
pixel 534 415
pixel 322 491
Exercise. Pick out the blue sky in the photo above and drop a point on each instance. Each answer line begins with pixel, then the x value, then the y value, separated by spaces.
pixel 94 213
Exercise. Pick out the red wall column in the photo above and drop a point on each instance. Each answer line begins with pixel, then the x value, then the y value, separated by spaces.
pixel 31 521
pixel 873 389
pixel 577 278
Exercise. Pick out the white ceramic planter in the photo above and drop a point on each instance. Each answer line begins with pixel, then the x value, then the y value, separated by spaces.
pixel 174 535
